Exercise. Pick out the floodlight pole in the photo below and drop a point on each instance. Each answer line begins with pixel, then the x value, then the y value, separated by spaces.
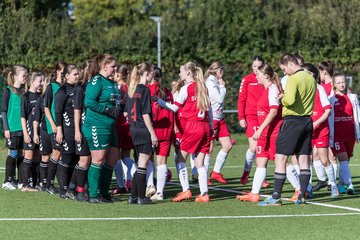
pixel 158 23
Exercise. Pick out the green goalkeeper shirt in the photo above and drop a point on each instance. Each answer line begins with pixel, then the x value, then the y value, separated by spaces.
pixel 100 93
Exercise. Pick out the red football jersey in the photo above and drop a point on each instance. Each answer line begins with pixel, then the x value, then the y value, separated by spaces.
pixel 187 101
pixel 328 87
pixel 163 119
pixel 320 105
pixel 249 94
pixel 344 127
pixel 268 100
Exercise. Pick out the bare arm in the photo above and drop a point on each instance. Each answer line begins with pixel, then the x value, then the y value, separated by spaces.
pixel 36 134
pixel 149 126
pixel 50 119
pixel 25 132
pixel 269 118
pixel 323 118
pixel 77 119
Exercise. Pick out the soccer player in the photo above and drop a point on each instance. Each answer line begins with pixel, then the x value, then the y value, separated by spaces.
pixel 270 120
pixel 326 70
pixel 249 94
pixel 296 130
pixel 11 113
pixel 163 121
pixel 102 102
pixel 121 77
pixel 65 130
pixel 217 91
pixel 82 148
pixel 320 137
pixel 49 110
pixel 41 136
pixel 195 105
pixel 144 138
pixel 344 130
pixel 28 104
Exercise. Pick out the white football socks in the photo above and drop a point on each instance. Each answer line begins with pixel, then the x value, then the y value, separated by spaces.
pixel 259 177
pixel 220 161
pixel 249 160
pixel 293 177
pixel 150 173
pixel 161 178
pixel 330 174
pixel 183 175
pixel 203 180
pixel 319 170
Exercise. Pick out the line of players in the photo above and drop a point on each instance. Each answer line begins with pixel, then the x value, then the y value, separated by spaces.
pixel 335 122
pixel 53 138
pixel 53 121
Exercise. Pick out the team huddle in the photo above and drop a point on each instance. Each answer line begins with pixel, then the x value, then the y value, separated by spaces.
pixel 78 125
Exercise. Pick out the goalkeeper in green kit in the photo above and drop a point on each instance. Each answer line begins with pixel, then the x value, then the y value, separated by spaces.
pixel 102 101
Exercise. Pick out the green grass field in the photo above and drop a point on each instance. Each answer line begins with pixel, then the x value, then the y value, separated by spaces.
pixel 42 216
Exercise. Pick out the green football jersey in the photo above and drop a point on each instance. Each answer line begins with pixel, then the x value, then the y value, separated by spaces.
pixel 100 93
pixel 14 111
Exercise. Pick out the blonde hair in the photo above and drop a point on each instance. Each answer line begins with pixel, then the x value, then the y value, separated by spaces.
pixel 47 81
pixel 136 73
pixel 32 78
pixel 11 75
pixel 84 75
pixel 213 68
pixel 202 96
pixel 274 78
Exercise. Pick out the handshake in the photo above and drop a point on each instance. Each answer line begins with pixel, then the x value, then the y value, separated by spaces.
pixel 114 112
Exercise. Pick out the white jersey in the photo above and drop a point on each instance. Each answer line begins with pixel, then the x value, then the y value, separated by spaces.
pixel 217 94
pixel 284 81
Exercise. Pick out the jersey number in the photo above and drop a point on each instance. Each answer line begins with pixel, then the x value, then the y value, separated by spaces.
pixel 133 112
pixel 337 146
pixel 201 114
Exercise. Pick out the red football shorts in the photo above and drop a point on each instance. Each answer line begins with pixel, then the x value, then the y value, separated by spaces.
pixel 220 129
pixel 266 147
pixel 196 138
pixel 163 148
pixel 252 126
pixel 340 147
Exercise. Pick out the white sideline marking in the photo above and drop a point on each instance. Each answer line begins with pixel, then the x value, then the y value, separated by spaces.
pixel 286 199
pixel 178 218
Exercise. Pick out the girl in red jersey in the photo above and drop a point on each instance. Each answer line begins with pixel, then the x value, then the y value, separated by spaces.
pixel 270 120
pixel 249 94
pixel 124 136
pixel 326 72
pixel 163 121
pixel 195 105
pixel 344 130
pixel 179 125
pixel 320 137
pixel 217 91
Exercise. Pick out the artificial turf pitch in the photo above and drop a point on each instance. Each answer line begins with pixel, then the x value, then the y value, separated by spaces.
pixel 43 216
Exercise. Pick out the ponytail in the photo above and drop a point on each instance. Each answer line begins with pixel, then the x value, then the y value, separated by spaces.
pixel 98 62
pixel 11 75
pixel 134 81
